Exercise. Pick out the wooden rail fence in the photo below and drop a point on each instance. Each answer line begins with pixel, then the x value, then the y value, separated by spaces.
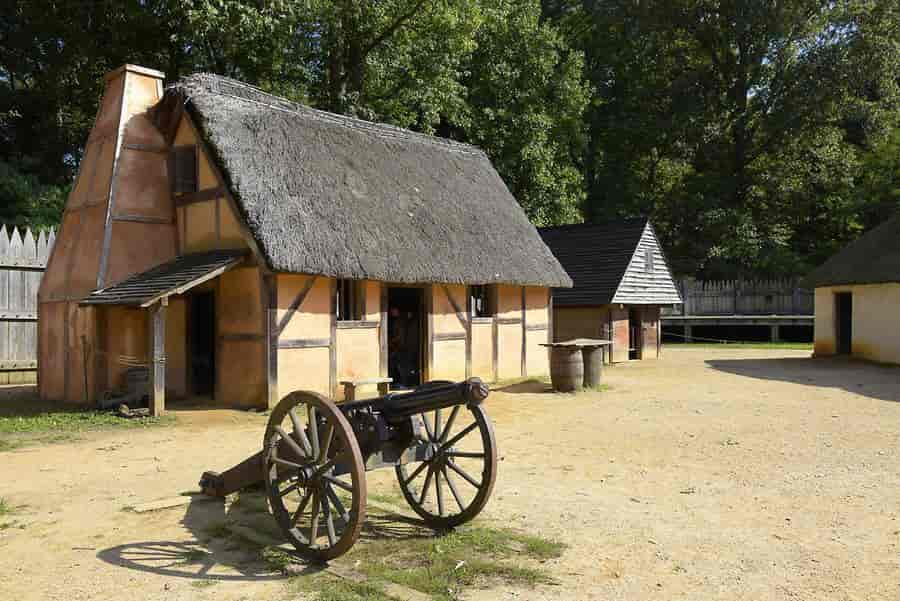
pixel 743 297
pixel 23 259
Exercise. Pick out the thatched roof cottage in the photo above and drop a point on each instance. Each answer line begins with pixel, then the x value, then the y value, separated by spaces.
pixel 858 297
pixel 242 246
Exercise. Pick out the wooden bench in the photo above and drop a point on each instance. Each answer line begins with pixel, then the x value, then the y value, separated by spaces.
pixel 351 385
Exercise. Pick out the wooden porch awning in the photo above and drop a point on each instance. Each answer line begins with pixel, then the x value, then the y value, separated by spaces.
pixel 175 277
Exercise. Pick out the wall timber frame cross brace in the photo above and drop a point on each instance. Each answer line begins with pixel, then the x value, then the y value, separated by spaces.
pixel 465 319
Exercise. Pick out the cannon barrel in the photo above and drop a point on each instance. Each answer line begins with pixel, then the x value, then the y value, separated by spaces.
pixel 428 397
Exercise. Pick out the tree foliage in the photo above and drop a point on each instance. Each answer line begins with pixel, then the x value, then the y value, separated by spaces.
pixel 761 135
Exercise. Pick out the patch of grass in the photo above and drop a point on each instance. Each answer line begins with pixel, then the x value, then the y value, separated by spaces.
pixel 193 555
pixel 471 556
pixel 5 507
pixel 38 422
pixel 205 583
pixel 328 588
pixel 276 559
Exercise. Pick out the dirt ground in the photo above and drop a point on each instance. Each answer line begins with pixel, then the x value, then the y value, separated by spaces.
pixel 709 474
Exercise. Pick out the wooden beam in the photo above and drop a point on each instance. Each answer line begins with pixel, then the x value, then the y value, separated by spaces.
pixel 468 332
pixel 524 337
pixel 332 347
pixel 429 333
pixel 241 337
pixel 296 304
pixel 183 200
pixel 495 333
pixel 270 317
pixel 444 336
pixel 144 219
pixel 156 354
pixel 508 321
pixel 295 343
pixel 357 325
pixel 383 333
pixel 550 315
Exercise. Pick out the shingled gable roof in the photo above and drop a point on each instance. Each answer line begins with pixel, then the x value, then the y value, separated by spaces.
pixel 330 195
pixel 874 258
pixel 598 255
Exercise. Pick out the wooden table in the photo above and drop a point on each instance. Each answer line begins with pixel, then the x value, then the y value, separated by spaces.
pixel 568 355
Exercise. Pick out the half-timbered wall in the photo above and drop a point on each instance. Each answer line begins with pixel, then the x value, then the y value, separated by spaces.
pixel 358 355
pixel 206 219
pixel 240 339
pixel 450 324
pixel 303 326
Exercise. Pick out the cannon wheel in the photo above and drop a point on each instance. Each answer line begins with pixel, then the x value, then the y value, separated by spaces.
pixel 453 486
pixel 321 513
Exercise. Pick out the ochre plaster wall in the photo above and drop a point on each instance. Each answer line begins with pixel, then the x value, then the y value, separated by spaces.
pixel 483 350
pixel 876 321
pixel 240 363
pixel 209 224
pixel 449 361
pixel 304 368
pixel 509 335
pixel 358 349
pixel 536 315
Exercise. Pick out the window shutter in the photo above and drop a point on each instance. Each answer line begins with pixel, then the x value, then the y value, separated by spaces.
pixel 184 167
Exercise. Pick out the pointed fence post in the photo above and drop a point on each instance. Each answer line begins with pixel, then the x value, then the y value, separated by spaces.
pixel 157 356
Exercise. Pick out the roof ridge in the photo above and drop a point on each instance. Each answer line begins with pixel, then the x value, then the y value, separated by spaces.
pixel 212 83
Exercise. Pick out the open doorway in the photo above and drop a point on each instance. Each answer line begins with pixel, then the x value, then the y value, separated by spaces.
pixel 405 328
pixel 635 334
pixel 202 343
pixel 843 311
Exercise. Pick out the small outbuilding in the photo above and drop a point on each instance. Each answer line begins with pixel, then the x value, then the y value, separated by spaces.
pixel 238 246
pixel 621 280
pixel 857 302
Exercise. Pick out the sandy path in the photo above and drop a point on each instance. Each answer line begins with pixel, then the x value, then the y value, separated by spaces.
pixel 706 475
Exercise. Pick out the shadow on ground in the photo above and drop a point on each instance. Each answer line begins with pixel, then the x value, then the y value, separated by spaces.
pixel 873 380
pixel 220 552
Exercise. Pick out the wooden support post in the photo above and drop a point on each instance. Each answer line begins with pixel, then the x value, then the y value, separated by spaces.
pixel 524 367
pixel 688 333
pixel 157 356
pixel 270 323
pixel 776 333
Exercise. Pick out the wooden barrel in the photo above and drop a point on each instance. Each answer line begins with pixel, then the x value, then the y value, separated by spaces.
pixel 566 368
pixel 593 366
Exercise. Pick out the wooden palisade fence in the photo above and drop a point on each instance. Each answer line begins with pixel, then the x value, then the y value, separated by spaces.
pixel 23 259
pixel 743 297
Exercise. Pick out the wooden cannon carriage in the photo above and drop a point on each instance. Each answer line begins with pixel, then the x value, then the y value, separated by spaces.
pixel 315 453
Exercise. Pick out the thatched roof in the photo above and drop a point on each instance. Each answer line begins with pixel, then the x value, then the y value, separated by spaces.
pixel 872 259
pixel 330 195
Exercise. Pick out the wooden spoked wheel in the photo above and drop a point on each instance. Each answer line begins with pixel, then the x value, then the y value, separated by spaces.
pixel 314 474
pixel 453 485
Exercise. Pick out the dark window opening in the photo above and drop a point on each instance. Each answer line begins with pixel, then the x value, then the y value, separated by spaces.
pixel 482 300
pixel 184 168
pixel 351 301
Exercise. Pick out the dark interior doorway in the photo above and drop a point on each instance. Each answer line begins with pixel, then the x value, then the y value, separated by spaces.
pixel 635 335
pixel 843 310
pixel 202 342
pixel 405 328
